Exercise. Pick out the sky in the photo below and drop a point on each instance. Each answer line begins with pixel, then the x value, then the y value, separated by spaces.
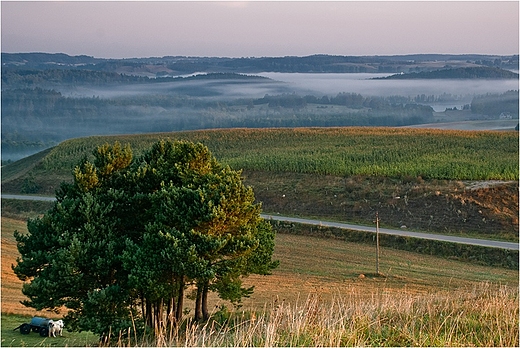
pixel 126 29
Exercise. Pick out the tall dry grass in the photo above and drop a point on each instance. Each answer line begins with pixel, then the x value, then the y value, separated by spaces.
pixel 486 315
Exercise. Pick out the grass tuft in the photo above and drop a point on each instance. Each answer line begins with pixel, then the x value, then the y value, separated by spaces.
pixel 486 315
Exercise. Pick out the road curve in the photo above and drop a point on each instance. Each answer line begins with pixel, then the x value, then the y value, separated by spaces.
pixel 346 226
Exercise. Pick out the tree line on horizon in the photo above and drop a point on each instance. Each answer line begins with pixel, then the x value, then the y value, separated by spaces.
pixel 323 63
pixel 457 73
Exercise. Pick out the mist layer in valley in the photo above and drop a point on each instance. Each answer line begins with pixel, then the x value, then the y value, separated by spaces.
pixel 36 118
pixel 452 93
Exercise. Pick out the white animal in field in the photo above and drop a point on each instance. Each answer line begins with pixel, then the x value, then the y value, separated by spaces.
pixel 55 327
pixel 50 326
pixel 61 325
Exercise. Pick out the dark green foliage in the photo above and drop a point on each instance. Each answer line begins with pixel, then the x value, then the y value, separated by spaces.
pixel 496 104
pixel 29 186
pixel 129 235
pixel 459 73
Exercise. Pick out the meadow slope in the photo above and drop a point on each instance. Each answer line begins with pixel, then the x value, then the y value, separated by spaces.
pixel 346 303
pixel 347 151
pixel 443 181
pixel 423 179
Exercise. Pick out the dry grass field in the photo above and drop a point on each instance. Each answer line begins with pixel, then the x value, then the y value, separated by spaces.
pixel 311 265
pixel 11 285
pixel 326 293
pixel 332 268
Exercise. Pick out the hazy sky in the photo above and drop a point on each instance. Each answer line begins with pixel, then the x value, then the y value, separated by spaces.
pixel 258 28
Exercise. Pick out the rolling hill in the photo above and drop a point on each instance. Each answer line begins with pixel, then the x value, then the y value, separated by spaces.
pixel 479 72
pixel 419 178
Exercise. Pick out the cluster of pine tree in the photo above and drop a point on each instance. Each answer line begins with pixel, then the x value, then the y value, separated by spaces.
pixel 128 237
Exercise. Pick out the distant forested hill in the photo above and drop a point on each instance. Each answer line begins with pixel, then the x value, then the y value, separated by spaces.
pixel 18 78
pixel 320 63
pixel 36 58
pixel 496 104
pixel 459 73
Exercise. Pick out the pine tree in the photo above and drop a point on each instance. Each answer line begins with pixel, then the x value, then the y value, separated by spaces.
pixel 127 237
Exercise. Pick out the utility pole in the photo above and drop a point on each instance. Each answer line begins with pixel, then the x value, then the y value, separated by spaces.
pixel 377 243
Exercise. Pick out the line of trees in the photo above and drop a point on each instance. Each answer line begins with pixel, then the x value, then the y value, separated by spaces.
pixel 44 101
pixel 48 78
pixel 479 72
pixel 312 63
pixel 42 110
pixel 129 237
pixel 31 78
pixel 496 104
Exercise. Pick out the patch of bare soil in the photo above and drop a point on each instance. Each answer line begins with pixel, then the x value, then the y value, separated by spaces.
pixel 482 184
pixel 489 209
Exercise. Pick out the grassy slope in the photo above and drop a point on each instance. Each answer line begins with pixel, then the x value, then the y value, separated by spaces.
pixel 308 264
pixel 320 268
pixel 392 152
pixel 24 166
pixel 343 174
pixel 327 271
pixel 331 267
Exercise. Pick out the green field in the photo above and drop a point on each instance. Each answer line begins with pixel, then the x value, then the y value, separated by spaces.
pixel 389 152
pixel 341 174
pixel 12 338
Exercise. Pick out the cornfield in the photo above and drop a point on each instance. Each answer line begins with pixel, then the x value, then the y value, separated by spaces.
pixel 390 152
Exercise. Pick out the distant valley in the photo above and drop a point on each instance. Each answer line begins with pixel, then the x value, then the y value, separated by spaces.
pixel 48 98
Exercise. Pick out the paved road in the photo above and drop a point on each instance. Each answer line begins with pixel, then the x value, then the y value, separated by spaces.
pixel 28 197
pixel 404 233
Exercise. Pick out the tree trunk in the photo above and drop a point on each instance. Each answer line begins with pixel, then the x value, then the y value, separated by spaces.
pixel 168 309
pixel 198 303
pixel 172 312
pixel 158 315
pixel 148 313
pixel 155 319
pixel 205 313
pixel 180 300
